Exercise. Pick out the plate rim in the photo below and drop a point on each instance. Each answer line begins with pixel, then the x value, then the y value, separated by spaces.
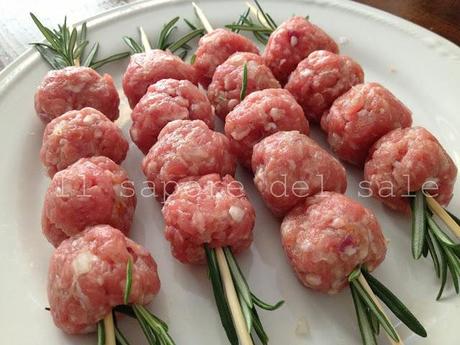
pixel 26 60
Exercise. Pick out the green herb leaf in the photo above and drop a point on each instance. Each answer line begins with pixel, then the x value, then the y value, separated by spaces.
pixel 149 335
pixel 454 217
pixel 238 278
pixel 244 83
pixel 395 305
pixel 166 32
pixel 266 16
pixel 129 280
pixel 190 25
pixel 181 42
pixel 365 327
pixel 219 296
pixel 418 224
pixel 258 328
pixel 116 57
pixel 354 274
pixel 133 45
pixel 100 333
pixel 261 304
pixel 433 249
pixel 367 300
pixel 443 269
pixel 245 27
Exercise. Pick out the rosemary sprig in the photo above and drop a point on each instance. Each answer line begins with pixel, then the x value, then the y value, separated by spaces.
pixel 65 47
pixel 244 82
pixel 100 333
pixel 429 238
pixel 165 42
pixel 248 301
pixel 261 28
pixel 129 279
pixel 370 316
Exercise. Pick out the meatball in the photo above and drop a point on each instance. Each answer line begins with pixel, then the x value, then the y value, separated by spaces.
pixel 91 191
pixel 292 42
pixel 79 134
pixel 186 148
pixel 87 277
pixel 147 68
pixel 165 101
pixel 259 115
pixel 320 79
pixel 408 160
pixel 211 210
pixel 358 118
pixel 74 88
pixel 289 166
pixel 225 88
pixel 214 48
pixel 327 236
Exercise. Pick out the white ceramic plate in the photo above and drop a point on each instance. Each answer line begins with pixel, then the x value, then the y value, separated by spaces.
pixel 420 67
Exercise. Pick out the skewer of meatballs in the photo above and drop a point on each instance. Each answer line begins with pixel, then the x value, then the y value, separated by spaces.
pixel 95 269
pixel 207 214
pixel 367 125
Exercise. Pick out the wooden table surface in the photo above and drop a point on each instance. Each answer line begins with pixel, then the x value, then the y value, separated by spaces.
pixel 17 30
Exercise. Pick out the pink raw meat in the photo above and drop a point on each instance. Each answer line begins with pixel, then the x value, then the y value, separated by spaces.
pixel 87 277
pixel 211 210
pixel 74 88
pixel 327 236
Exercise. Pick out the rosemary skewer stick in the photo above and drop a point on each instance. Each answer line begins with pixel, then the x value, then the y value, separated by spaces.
pixel 255 13
pixel 109 330
pixel 144 39
pixel 235 307
pixel 437 209
pixel 200 14
pixel 366 291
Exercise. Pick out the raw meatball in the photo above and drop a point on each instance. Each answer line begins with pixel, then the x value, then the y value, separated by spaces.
pixel 87 277
pixel 358 118
pixel 408 160
pixel 214 48
pixel 74 88
pixel 147 68
pixel 320 79
pixel 261 114
pixel 79 134
pixel 165 101
pixel 292 42
pixel 211 210
pixel 225 88
pixel 186 148
pixel 327 236
pixel 289 166
pixel 91 191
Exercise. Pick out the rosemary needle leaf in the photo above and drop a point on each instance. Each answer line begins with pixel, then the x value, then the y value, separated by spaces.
pixel 243 27
pixel 100 333
pixel 181 42
pixel 129 280
pixel 190 25
pixel 454 268
pixel 125 309
pixel 238 278
pixel 47 56
pixel 365 327
pixel 266 16
pixel 115 57
pixel 433 248
pixel 121 339
pixel 90 57
pixel 355 273
pixel 367 300
pixel 443 275
pixel 71 46
pixel 219 296
pixel 49 35
pixel 244 83
pixel 166 32
pixel 418 224
pixel 440 235
pixel 454 217
pixel 258 328
pixel 145 328
pixel 133 45
pixel 261 304
pixel 395 305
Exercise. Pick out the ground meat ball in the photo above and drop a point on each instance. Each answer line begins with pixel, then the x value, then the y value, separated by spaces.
pixel 261 114
pixel 292 42
pixel 407 160
pixel 87 277
pixel 327 236
pixel 74 88
pixel 358 118
pixel 165 101
pixel 225 88
pixel 320 79
pixel 289 166
pixel 147 68
pixel 79 134
pixel 186 148
pixel 91 191
pixel 214 48
pixel 212 210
